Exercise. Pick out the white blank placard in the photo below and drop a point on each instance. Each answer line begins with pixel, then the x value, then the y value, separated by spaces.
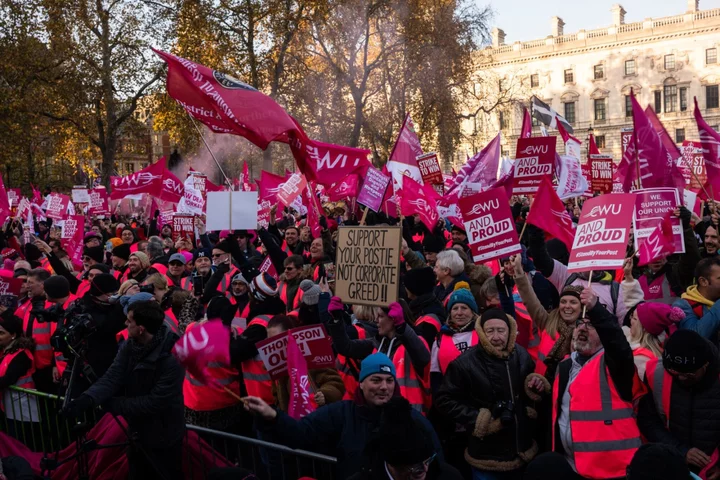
pixel 232 210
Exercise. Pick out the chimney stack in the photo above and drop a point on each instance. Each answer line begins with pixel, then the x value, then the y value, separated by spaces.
pixel 556 25
pixel 498 37
pixel 618 13
pixel 693 5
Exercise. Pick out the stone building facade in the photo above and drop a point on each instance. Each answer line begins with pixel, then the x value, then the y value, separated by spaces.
pixel 587 75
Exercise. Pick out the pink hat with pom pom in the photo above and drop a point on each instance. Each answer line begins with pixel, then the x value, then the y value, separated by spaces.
pixel 658 317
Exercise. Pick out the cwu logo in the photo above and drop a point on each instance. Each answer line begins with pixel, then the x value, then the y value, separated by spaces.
pixel 231 83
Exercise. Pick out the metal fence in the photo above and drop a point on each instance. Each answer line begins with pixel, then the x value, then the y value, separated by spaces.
pixel 34 419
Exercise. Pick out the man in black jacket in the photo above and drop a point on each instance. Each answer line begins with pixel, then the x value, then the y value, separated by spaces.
pixel 151 379
pixel 688 372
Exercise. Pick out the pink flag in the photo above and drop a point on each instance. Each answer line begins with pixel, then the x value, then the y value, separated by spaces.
pixel 201 345
pixel 548 213
pixel 482 168
pixel 526 130
pixel 710 141
pixel 171 188
pixel 268 188
pixel 301 401
pixel 310 201
pixel 346 188
pixel 71 234
pixel 37 196
pixel 659 244
pixel 673 175
pixel 402 160
pixel 148 180
pixel 414 199
pixel 4 203
pixel 326 163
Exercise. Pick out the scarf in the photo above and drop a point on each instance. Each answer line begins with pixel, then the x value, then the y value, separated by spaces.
pixel 693 295
pixel 559 350
pixel 139 351
pixel 459 329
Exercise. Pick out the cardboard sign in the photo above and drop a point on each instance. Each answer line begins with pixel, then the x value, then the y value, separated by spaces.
pixel 651 206
pixel 232 210
pixel 199 181
pixel 57 205
pixel 489 225
pixel 367 265
pixel 267 267
pixel 10 286
pixel 14 196
pixel 183 226
pixel 430 169
pixel 313 341
pixel 602 169
pixel 694 159
pixel 80 195
pixel 587 173
pixel 626 136
pixel 291 189
pixel 373 189
pixel 602 234
pixel 98 202
pixel 534 160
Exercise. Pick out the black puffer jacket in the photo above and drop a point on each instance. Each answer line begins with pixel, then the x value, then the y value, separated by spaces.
pixel 474 384
pixel 694 414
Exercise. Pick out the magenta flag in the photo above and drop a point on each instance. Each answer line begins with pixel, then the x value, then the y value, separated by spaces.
pixel 549 214
pixel 301 397
pixel 710 141
pixel 204 343
pixel 327 164
pixel 659 244
pixel 673 176
pixel 403 158
pixel 148 180
pixel 71 234
pixel 346 188
pixel 414 199
pixel 4 203
pixel 312 204
pixel 526 130
pixel 171 188
pixel 482 168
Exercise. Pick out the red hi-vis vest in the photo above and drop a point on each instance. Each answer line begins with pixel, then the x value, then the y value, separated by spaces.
pixel 83 288
pixel 604 432
pixel 213 396
pixel 658 290
pixel 41 333
pixel 415 388
pixel 23 307
pixel 660 383
pixel 546 344
pixel 284 297
pixel 349 368
pixel 26 381
pixel 448 351
pixel 255 375
pixel 430 318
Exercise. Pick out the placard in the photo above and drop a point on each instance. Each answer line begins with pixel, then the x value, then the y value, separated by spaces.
pixel 534 160
pixel 313 341
pixel 80 195
pixel 489 225
pixel 695 161
pixel 626 136
pixel 232 210
pixel 10 285
pixel 373 189
pixel 587 173
pixel 98 203
pixel 651 206
pixel 183 226
pixel 14 196
pixel 57 205
pixel 291 189
pixel 367 265
pixel 602 233
pixel 430 169
pixel 602 169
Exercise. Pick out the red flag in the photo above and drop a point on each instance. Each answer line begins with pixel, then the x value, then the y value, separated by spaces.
pixel 710 141
pixel 402 160
pixel 310 201
pixel 673 175
pixel 148 180
pixel 558 223
pixel 4 203
pixel 414 199
pixel 171 188
pixel 205 343
pixel 482 168
pixel 592 146
pixel 268 188
pixel 326 163
pixel 301 400
pixel 526 130
pixel 659 244
pixel 37 195
pixel 347 188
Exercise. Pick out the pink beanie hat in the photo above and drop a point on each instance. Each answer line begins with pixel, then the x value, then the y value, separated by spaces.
pixel 658 317
pixel 188 256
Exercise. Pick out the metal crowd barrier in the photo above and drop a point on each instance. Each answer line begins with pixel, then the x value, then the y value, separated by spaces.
pixel 33 418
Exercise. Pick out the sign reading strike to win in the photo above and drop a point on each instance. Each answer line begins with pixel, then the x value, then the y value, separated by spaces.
pixel 489 225
pixel 313 342
pixel 430 169
pixel 367 265
pixel 183 226
pixel 534 160
pixel 602 234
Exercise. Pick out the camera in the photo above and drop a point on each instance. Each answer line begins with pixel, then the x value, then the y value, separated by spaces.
pixel 45 315
pixel 76 328
pixel 505 411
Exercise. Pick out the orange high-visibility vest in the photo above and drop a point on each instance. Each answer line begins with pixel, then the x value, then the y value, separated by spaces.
pixel 26 381
pixel 605 434
pixel 660 383
pixel 448 351
pixel 159 267
pixel 255 375
pixel 415 388
pixel 23 307
pixel 213 395
pixel 349 368
pixel 41 333
pixel 284 296
pixel 430 318
pixel 546 344
pixel 83 288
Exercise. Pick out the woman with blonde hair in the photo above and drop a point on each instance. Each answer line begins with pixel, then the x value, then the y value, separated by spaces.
pixel 649 324
pixel 129 288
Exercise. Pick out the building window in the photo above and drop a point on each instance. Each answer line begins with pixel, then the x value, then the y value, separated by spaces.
pixel 503 120
pixel 599 109
pixel 670 62
pixel 628 106
pixel 569 77
pixel 670 98
pixel 683 99
pixel 679 135
pixel 600 141
pixel 130 167
pixel 534 81
pixel 658 101
pixel 711 96
pixel 711 56
pixel 629 67
pixel 570 112
pixel 599 72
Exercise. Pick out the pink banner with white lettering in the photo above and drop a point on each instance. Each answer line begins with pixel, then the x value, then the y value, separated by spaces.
pixel 489 225
pixel 534 160
pixel 71 234
pixel 651 206
pixel 57 204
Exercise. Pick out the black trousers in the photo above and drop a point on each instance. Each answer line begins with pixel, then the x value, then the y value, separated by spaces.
pixel 155 463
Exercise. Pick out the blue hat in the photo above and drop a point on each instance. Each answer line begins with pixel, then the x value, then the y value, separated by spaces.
pixel 376 363
pixel 202 252
pixel 126 301
pixel 462 295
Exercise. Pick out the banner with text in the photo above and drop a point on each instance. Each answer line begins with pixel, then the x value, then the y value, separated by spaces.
pixel 602 169
pixel 57 204
pixel 694 160
pixel 602 234
pixel 534 160
pixel 313 341
pixel 651 206
pixel 73 230
pixel 373 189
pixel 183 226
pixel 489 225
pixel 430 169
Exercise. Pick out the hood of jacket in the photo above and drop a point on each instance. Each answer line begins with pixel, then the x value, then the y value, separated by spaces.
pixel 693 294
pixel 485 344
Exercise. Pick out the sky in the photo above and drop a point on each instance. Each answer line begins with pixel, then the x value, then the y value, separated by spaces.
pixel 524 20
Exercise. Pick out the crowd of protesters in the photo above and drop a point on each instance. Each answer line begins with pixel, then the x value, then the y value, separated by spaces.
pixel 514 369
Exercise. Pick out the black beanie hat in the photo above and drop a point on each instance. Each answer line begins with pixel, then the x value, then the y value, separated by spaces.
pixel 655 461
pixel 220 307
pixel 122 251
pixel 400 439
pixel 96 253
pixel 420 281
pixel 432 244
pixel 224 246
pixel 102 284
pixel 494 313
pixel 56 287
pixel 686 351
pixel 100 266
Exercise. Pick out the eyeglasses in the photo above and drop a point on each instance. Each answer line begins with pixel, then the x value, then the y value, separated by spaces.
pixel 175 264
pixel 421 467
pixel 580 322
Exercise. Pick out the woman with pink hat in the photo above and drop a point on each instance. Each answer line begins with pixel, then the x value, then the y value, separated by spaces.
pixel 647 326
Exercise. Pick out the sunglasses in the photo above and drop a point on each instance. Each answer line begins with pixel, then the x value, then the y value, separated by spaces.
pixel 288 269
pixel 421 467
pixel 218 255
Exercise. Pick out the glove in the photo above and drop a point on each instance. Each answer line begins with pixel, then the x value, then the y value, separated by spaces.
pixel 77 407
pixel 335 305
pixel 534 234
pixel 396 314
pixel 323 222
pixel 685 217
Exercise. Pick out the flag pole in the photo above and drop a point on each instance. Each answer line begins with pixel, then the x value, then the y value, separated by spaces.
pixel 227 180
pixel 589 286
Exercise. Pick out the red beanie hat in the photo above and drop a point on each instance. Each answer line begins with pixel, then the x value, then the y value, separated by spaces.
pixel 657 317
